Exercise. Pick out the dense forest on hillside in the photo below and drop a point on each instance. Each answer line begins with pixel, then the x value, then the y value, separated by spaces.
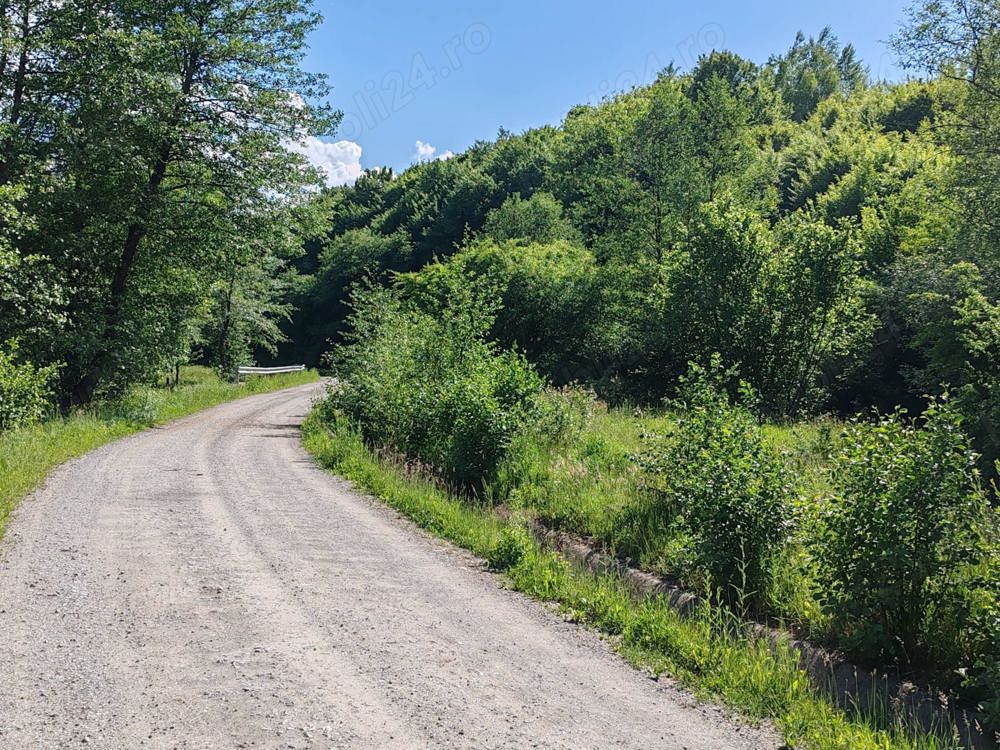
pixel 829 237
pixel 758 245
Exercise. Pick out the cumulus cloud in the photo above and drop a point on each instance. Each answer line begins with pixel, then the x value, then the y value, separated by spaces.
pixel 339 162
pixel 424 152
pixel 427 152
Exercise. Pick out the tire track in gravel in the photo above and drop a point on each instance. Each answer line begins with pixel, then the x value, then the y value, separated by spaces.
pixel 205 585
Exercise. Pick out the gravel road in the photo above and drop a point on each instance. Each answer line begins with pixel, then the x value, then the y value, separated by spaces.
pixel 204 585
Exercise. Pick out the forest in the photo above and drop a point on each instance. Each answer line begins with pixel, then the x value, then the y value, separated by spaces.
pixel 808 226
pixel 741 325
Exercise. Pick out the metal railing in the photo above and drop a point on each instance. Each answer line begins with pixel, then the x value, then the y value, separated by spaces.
pixel 246 370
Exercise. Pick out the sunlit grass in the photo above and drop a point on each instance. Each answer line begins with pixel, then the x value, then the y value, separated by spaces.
pixel 710 652
pixel 28 454
pixel 585 485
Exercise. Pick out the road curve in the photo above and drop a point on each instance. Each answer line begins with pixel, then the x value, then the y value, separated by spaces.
pixel 204 585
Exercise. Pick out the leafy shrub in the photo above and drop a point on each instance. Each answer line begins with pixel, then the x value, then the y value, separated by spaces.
pixel 777 302
pixel 906 549
pixel 512 547
pixel 25 390
pixel 957 327
pixel 717 479
pixel 432 387
pixel 964 627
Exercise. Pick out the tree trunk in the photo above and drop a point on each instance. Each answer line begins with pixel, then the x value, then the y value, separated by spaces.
pixel 227 317
pixel 83 391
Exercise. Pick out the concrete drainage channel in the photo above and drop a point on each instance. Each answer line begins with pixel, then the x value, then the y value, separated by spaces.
pixel 848 684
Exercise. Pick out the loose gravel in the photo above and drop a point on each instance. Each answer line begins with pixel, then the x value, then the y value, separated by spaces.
pixel 204 585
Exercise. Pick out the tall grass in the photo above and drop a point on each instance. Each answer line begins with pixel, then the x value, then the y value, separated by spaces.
pixel 28 454
pixel 710 653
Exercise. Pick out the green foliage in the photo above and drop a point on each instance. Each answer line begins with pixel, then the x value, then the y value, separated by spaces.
pixel 815 69
pixel 661 155
pixel 30 299
pixel 716 294
pixel 833 241
pixel 510 549
pixel 324 303
pixel 150 191
pixel 586 174
pixel 818 315
pixel 955 337
pixel 715 477
pixel 432 387
pixel 743 79
pixel 688 145
pixel 536 219
pixel 25 390
pixel 546 292
pixel 435 205
pixel 908 538
pixel 704 218
pixel 775 303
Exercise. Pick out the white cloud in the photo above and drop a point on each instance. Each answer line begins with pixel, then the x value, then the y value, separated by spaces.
pixel 424 152
pixel 427 152
pixel 339 162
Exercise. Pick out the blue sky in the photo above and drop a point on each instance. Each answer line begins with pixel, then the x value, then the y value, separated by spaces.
pixel 420 80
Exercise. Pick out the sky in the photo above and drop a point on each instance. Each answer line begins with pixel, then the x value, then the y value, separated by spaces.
pixel 423 80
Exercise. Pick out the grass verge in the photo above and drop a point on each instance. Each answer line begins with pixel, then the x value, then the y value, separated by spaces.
pixel 28 454
pixel 709 653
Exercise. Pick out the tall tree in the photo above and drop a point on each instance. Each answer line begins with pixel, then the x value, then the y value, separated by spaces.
pixel 662 158
pixel 960 40
pixel 182 115
pixel 745 81
pixel 953 298
pixel 814 69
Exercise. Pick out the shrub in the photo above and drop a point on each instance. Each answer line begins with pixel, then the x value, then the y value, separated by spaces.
pixel 905 552
pixel 510 549
pixel 729 494
pixel 25 390
pixel 432 386
pixel 964 627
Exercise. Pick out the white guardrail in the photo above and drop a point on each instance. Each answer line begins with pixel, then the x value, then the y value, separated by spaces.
pixel 242 371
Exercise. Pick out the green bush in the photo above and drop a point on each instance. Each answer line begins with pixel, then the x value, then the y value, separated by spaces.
pixel 726 493
pixel 432 386
pixel 25 390
pixel 510 549
pixel 964 628
pixel 909 548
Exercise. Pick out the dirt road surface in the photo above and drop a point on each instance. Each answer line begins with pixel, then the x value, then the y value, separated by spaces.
pixel 204 585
